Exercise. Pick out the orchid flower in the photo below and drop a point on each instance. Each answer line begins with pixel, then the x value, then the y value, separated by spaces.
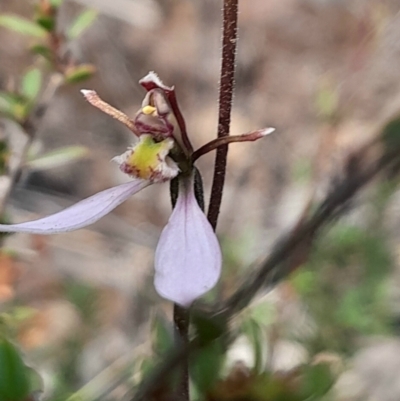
pixel 188 256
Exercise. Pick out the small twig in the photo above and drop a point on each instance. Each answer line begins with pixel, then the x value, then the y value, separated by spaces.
pixel 229 39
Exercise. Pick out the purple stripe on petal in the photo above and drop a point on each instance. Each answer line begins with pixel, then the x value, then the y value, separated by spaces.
pixel 82 214
pixel 188 256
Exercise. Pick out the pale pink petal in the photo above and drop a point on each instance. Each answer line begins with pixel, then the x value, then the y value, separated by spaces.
pixel 81 214
pixel 188 256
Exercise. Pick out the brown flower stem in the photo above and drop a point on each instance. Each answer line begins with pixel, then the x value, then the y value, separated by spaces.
pixel 230 16
pixel 229 39
pixel 180 120
pixel 181 323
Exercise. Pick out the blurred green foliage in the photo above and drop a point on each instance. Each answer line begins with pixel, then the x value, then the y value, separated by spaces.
pixel 17 381
pixel 82 22
pixel 344 286
pixel 22 25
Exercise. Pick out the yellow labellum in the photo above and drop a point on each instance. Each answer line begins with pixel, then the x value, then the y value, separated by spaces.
pixel 146 156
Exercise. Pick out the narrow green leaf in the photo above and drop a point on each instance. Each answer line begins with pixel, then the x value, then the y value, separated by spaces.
pixel 31 83
pixel 391 134
pixel 263 313
pixel 14 380
pixel 13 106
pixel 42 50
pixel 252 330
pixel 206 366
pixel 79 73
pixel 58 158
pixel 35 382
pixel 6 103
pixel 21 111
pixel 163 335
pixel 327 102
pixel 56 3
pixel 317 380
pixel 4 156
pixel 21 25
pixel 21 314
pixel 47 22
pixel 208 328
pixel 146 367
pixel 81 23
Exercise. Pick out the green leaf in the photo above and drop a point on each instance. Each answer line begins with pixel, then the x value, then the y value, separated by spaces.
pixel 7 103
pixel 31 84
pixel 58 158
pixel 14 380
pixel 317 380
pixel 304 281
pixel 206 366
pixel 35 381
pixel 47 22
pixel 79 73
pixel 56 3
pixel 22 25
pixel 42 50
pixel 21 111
pixel 391 134
pixel 327 102
pixel 208 328
pixel 19 314
pixel 13 105
pixel 81 23
pixel 252 330
pixel 4 156
pixel 163 335
pixel 263 313
pixel 147 366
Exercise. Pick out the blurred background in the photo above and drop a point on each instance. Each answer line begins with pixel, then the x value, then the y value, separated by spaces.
pixel 325 74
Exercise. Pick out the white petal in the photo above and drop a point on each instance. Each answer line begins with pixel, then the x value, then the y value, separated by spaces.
pixel 188 256
pixel 82 214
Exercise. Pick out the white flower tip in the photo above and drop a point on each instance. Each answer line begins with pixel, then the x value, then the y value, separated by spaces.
pixel 87 93
pixel 267 131
pixel 152 77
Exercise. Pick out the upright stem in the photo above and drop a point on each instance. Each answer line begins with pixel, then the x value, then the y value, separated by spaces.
pixel 182 315
pixel 229 39
pixel 181 322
